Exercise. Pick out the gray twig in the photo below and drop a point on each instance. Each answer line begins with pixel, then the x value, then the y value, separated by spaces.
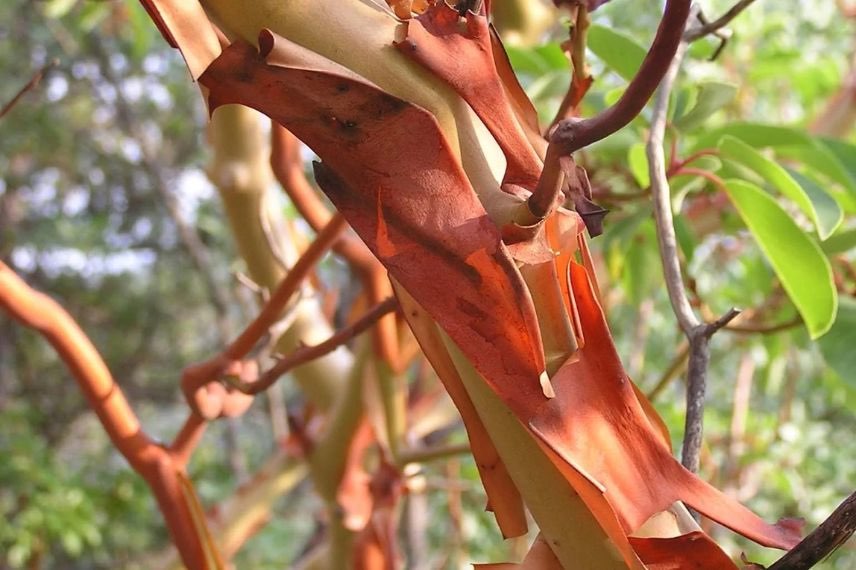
pixel 29 86
pixel 692 34
pixel 697 332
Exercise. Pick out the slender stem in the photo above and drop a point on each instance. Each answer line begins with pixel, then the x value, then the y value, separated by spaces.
pixel 29 86
pixel 679 164
pixel 825 539
pixel 187 439
pixel 696 389
pixel 196 376
pixel 693 34
pixel 570 135
pixel 713 178
pixel 272 310
pixel 574 135
pixel 698 333
pixel 307 353
pixel 661 195
pixel 287 166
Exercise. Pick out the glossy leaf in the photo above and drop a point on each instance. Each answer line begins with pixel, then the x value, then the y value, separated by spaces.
pixel 837 345
pixel 712 97
pixel 829 213
pixel 618 51
pixel 840 242
pixel 638 163
pixel 756 134
pixel 798 261
pixel 821 209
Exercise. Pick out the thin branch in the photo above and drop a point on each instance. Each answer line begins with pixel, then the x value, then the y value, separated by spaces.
pixel 697 333
pixel 824 540
pixel 29 86
pixel 432 453
pixel 662 199
pixel 574 135
pixel 695 33
pixel 150 460
pixel 197 376
pixel 710 176
pixel 571 135
pixel 287 166
pixel 307 353
pixel 187 439
pixel 581 79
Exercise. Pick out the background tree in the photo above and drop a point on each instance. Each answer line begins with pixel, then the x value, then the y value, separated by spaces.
pixel 100 207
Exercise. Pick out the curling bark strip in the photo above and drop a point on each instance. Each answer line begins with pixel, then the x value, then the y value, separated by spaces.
pixel 388 169
pixel 465 61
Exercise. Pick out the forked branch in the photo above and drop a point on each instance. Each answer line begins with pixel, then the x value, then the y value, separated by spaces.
pixel 209 404
pixel 163 471
pixel 571 135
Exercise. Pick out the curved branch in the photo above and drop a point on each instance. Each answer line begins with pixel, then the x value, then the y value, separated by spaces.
pixel 570 135
pixel 573 135
pixel 693 34
pixel 287 166
pixel 151 461
pixel 194 378
pixel 307 353
pixel 824 540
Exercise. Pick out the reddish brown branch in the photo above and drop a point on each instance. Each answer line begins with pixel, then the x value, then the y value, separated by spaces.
pixel 187 439
pixel 675 164
pixel 824 540
pixel 307 353
pixel 152 461
pixel 29 86
pixel 573 135
pixel 706 174
pixel 287 166
pixel 209 402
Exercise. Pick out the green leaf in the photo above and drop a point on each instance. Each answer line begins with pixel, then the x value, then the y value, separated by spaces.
pixel 638 163
pixel 641 267
pixel 821 159
pixel 685 238
pixel 798 261
pixel 829 213
pixel 837 345
pixel 712 96
pixel 757 135
pixel 840 242
pixel 58 8
pixel 539 61
pixel 682 101
pixel 844 152
pixel 820 208
pixel 619 52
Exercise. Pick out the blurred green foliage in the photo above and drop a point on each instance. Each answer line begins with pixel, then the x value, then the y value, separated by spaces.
pixel 85 159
